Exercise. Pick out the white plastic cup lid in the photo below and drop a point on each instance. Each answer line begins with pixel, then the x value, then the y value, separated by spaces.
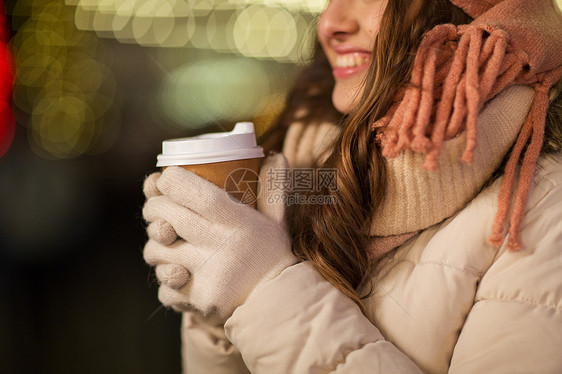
pixel 238 144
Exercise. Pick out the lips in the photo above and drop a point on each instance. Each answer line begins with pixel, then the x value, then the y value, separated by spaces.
pixel 349 63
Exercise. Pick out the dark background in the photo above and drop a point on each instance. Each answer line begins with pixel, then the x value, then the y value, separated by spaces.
pixel 75 293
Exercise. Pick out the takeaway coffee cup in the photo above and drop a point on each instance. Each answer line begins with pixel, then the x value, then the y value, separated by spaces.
pixel 228 159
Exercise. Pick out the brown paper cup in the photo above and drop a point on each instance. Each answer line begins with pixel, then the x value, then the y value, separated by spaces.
pixel 230 160
pixel 239 177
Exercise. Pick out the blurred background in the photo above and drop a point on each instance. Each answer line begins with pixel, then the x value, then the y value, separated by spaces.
pixel 98 85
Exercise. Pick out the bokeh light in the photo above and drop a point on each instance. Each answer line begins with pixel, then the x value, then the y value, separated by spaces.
pixel 63 89
pixel 265 32
pixel 210 91
pixel 206 88
pixel 312 6
pixel 7 126
pixel 266 29
pixel 69 113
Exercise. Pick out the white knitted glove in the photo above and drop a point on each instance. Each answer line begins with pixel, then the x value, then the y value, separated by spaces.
pixel 210 251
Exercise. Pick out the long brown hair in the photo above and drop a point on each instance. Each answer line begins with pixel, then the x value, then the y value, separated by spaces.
pixel 334 237
pixel 309 101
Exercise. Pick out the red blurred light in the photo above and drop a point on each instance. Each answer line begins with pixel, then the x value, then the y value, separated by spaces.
pixel 6 74
pixel 7 125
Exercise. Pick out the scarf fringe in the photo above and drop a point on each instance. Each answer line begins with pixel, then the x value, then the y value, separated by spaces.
pixel 469 82
pixel 532 135
pixel 480 68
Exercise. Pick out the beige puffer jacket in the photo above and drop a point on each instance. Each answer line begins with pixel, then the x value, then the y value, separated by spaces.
pixel 444 301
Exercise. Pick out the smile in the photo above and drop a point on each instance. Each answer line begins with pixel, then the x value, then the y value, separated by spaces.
pixel 350 60
pixel 350 64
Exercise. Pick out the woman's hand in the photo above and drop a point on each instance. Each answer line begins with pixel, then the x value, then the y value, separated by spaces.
pixel 210 251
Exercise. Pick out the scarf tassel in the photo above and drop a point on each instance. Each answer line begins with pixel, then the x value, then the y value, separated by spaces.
pixel 479 69
pixel 532 134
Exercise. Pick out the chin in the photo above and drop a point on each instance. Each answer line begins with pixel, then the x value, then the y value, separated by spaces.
pixel 346 98
pixel 342 102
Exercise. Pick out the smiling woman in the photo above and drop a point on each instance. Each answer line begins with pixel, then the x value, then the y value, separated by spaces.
pixel 347 31
pixel 436 251
pixel 362 98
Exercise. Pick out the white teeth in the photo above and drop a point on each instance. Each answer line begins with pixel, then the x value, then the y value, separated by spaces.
pixel 350 60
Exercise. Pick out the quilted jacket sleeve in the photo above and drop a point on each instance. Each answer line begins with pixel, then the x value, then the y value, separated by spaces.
pixel 205 348
pixel 515 324
pixel 299 323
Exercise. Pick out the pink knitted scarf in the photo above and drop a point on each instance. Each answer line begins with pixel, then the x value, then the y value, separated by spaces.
pixel 458 69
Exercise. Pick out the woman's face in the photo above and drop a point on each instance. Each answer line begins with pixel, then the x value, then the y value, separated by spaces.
pixel 347 31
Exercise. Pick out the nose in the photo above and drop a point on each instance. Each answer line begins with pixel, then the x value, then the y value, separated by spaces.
pixel 337 20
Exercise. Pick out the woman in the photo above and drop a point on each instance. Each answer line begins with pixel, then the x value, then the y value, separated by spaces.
pixel 436 139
